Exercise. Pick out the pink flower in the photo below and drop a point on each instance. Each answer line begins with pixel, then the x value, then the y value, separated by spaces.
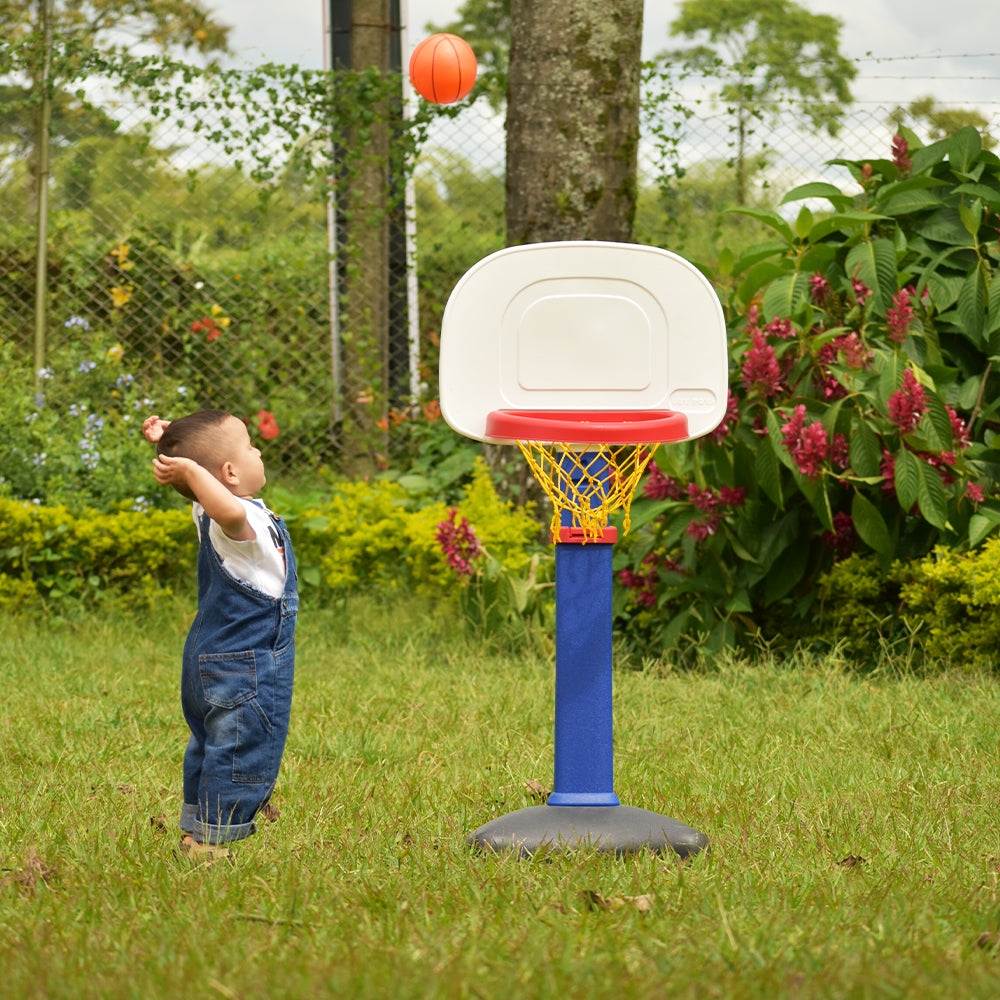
pixel 959 431
pixel 899 314
pixel 901 154
pixel 861 290
pixel 706 500
pixel 702 529
pixel 856 355
pixel 908 403
pixel 644 583
pixel 733 496
pixel 761 372
pixel 807 444
pixel 780 328
pixel 660 487
pixel 459 543
pixel 975 493
pixel 820 289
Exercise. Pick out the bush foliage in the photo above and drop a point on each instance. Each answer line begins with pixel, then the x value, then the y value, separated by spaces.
pixel 863 404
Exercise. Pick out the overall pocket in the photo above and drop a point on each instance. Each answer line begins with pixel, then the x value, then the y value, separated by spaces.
pixel 228 679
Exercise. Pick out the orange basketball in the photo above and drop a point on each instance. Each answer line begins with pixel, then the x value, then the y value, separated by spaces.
pixel 443 68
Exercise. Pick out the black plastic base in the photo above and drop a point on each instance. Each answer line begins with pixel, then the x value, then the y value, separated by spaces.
pixel 618 829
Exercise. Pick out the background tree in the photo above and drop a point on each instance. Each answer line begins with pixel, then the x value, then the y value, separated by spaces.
pixel 108 26
pixel 926 115
pixel 764 51
pixel 572 119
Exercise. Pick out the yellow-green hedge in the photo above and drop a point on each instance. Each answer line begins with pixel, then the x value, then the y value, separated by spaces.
pixel 50 554
pixel 363 535
pixel 945 606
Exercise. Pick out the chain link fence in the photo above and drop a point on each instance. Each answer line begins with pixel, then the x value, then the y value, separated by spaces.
pixel 214 287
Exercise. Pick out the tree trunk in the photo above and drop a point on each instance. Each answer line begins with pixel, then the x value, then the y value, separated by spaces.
pixel 365 312
pixel 572 119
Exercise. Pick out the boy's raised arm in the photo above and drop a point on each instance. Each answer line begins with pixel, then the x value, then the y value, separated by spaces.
pixel 220 505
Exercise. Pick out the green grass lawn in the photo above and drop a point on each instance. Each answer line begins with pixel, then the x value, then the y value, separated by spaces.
pixel 854 822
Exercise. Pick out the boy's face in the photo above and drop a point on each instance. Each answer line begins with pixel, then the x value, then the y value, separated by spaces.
pixel 244 457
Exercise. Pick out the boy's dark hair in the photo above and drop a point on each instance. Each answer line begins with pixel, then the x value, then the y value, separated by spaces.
pixel 196 437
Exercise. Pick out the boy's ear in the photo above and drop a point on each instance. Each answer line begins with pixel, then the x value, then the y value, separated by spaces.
pixel 229 475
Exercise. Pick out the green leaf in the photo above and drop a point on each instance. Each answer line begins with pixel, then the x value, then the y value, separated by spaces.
pixel 817 189
pixel 907 202
pixel 848 221
pixel 965 147
pixel 770 218
pixel 907 477
pixel 941 438
pixel 786 573
pixel 803 222
pixel 972 217
pixel 972 304
pixel 768 471
pixel 870 525
pixel 865 452
pixel 760 275
pixel 785 295
pixel 982 523
pixel 874 263
pixel 814 490
pixel 931 497
pixel 774 437
pixel 993 315
pixel 758 252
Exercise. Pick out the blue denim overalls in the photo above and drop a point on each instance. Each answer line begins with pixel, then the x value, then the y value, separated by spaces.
pixel 236 692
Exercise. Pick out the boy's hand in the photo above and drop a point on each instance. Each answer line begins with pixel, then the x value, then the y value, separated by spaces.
pixel 153 428
pixel 173 470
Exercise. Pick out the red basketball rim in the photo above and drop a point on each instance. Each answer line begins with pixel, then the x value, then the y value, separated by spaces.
pixel 588 426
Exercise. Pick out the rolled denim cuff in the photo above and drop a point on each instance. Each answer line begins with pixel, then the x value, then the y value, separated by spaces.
pixel 212 833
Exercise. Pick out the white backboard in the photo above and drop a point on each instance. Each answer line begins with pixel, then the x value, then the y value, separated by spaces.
pixel 583 326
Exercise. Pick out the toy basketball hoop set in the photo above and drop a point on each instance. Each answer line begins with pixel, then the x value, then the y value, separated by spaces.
pixel 587 355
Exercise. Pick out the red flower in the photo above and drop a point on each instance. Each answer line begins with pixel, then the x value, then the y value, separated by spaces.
pixel 761 371
pixel 820 288
pixel 267 426
pixel 899 314
pixel 660 487
pixel 207 324
pixel 808 445
pixel 959 431
pixel 908 403
pixel 901 154
pixel 459 543
pixel 861 290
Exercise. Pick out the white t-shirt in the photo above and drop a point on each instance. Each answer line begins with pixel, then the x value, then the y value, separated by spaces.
pixel 259 562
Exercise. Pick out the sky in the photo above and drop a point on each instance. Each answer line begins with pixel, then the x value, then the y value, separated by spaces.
pixel 908 47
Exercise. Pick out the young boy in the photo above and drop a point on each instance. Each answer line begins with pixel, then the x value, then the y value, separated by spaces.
pixel 239 657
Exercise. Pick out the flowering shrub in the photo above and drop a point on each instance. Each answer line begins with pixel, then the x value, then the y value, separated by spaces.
pixel 379 534
pixel 72 432
pixel 863 406
pixel 501 607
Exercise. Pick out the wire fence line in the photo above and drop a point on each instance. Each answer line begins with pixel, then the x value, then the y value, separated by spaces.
pixel 216 289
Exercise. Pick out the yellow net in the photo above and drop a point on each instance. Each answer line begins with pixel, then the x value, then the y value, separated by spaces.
pixel 588 481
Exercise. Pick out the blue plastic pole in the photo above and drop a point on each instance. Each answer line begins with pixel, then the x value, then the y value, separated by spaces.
pixel 584 737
